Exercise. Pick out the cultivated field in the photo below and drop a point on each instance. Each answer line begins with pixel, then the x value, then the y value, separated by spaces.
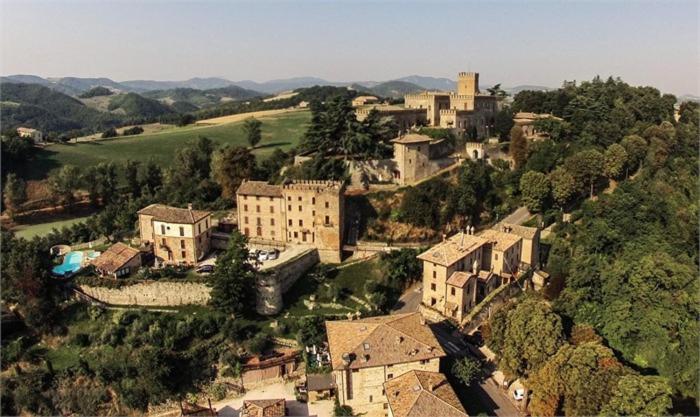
pixel 242 116
pixel 279 131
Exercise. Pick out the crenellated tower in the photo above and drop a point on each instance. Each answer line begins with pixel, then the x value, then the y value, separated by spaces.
pixel 468 84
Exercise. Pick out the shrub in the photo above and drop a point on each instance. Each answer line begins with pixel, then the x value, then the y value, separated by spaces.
pixel 81 339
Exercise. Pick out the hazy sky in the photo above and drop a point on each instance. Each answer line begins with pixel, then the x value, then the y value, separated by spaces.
pixel 518 42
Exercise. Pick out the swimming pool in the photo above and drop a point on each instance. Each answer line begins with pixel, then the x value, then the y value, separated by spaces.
pixel 72 262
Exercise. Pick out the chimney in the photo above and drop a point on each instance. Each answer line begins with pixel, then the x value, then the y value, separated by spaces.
pixel 422 320
pixel 189 206
pixel 399 339
pixel 431 386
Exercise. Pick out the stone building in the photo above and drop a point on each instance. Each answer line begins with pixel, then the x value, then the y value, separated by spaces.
pixel 466 110
pixel 528 123
pixel 264 408
pixel 421 393
pixel 366 353
pixel 175 235
pixel 418 156
pixel 27 132
pixel 460 271
pixel 364 100
pixel 531 242
pixel 118 261
pixel 300 212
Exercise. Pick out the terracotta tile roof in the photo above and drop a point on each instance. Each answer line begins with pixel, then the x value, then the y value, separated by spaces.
pixel 115 257
pixel 412 138
pixel 453 249
pixel 163 213
pixel 319 382
pixel 501 241
pixel 259 188
pixel 422 394
pixel 265 408
pixel 459 279
pixel 522 231
pixel 378 341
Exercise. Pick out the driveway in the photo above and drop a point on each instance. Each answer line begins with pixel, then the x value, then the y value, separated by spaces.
pixel 410 299
pixel 519 216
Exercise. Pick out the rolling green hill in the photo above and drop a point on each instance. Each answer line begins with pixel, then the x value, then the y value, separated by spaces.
pixel 280 131
pixel 135 106
pixel 202 98
pixel 48 110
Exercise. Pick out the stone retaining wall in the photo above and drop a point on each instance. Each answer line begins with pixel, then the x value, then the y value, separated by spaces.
pixel 271 285
pixel 152 293
pixel 276 281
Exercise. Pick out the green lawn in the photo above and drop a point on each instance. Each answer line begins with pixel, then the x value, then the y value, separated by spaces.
pixel 351 278
pixel 282 131
pixel 28 231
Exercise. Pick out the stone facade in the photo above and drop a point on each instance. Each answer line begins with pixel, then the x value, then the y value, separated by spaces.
pixel 459 272
pixel 418 156
pixel 363 389
pixel 307 213
pixel 176 236
pixel 466 110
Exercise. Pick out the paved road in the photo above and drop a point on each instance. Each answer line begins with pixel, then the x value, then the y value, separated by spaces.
pixel 410 299
pixel 490 395
pixel 519 216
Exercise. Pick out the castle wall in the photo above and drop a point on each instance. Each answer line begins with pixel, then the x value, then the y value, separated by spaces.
pixel 272 285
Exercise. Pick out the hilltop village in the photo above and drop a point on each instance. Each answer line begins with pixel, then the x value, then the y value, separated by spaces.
pixel 444 253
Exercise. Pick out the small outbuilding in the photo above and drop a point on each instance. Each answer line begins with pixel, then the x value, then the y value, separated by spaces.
pixel 264 408
pixel 118 261
pixel 320 386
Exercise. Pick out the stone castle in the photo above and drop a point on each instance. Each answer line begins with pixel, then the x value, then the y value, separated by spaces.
pixel 465 110
pixel 300 212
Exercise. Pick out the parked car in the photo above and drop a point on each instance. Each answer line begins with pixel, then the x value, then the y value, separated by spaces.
pixel 204 269
pixel 268 255
pixel 263 256
pixel 519 394
pixel 253 255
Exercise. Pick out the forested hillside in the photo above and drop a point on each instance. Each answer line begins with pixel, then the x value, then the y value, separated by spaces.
pixel 624 270
pixel 48 110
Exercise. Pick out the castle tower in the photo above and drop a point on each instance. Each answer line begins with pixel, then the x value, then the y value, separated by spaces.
pixel 468 84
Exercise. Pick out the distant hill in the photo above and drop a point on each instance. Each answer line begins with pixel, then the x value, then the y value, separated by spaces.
pixel 689 97
pixel 136 106
pixel 430 83
pixel 85 84
pixel 518 88
pixel 42 108
pixel 276 86
pixel 97 92
pixel 202 98
pixel 193 83
pixel 393 89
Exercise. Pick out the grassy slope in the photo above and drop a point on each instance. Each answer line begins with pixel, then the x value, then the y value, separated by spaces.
pixel 41 229
pixel 281 131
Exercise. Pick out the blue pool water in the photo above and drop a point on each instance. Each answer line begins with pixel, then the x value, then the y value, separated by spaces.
pixel 72 262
